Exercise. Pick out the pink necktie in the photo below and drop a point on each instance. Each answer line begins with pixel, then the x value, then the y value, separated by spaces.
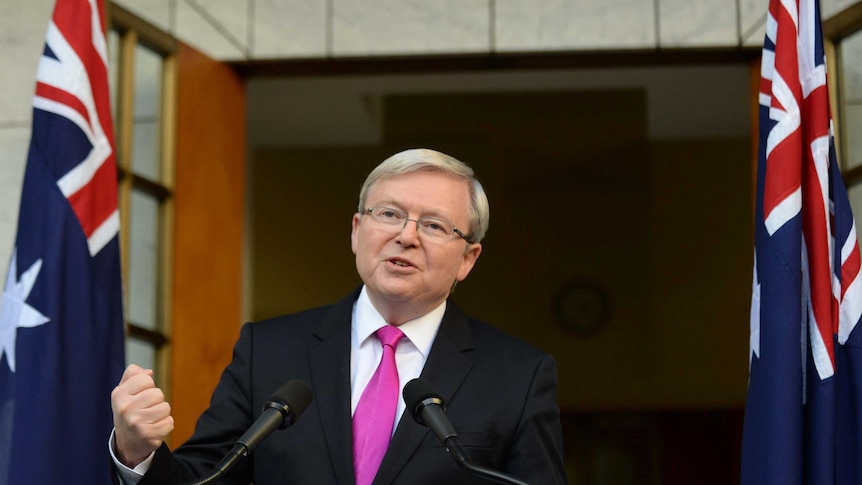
pixel 374 417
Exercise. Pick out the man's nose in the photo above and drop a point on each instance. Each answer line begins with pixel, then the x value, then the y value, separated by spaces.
pixel 406 234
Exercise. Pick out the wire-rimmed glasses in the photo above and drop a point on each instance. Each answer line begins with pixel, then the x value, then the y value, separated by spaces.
pixel 396 220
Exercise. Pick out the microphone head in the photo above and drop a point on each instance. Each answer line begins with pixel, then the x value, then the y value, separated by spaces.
pixel 417 394
pixel 292 399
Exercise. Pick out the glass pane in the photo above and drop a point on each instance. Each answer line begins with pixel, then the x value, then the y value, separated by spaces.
pixel 851 126
pixel 140 352
pixel 147 112
pixel 113 69
pixel 854 193
pixel 143 254
pixel 851 100
pixel 145 153
pixel 851 67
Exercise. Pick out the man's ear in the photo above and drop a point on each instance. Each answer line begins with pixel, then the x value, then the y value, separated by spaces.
pixel 354 230
pixel 470 256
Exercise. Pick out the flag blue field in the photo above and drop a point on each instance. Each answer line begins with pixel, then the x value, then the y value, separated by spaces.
pixel 61 316
pixel 802 415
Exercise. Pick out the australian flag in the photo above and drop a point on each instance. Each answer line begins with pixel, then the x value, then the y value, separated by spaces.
pixel 803 414
pixel 61 317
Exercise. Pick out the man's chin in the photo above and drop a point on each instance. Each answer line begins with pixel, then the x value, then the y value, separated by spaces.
pixel 394 295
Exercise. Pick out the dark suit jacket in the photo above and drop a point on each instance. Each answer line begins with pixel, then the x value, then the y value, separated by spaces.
pixel 500 395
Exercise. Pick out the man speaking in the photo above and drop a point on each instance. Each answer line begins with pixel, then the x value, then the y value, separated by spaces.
pixel 418 230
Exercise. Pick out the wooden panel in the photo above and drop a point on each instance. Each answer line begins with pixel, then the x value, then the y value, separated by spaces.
pixel 209 202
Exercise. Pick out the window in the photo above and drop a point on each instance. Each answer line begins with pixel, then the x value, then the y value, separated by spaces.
pixel 142 77
pixel 844 31
pixel 850 99
pixel 849 60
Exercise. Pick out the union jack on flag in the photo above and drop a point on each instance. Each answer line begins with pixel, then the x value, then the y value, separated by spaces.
pixel 802 415
pixel 61 315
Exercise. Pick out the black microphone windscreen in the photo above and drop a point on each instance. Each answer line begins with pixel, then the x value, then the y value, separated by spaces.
pixel 296 394
pixel 416 391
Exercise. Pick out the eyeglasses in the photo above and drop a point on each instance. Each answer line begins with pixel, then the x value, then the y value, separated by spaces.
pixel 395 220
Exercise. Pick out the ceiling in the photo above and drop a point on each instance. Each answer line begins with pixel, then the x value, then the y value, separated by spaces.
pixel 711 101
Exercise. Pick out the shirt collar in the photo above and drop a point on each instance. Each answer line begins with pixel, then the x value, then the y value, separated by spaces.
pixel 420 331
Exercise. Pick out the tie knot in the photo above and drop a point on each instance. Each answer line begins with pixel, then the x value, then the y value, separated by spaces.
pixel 389 335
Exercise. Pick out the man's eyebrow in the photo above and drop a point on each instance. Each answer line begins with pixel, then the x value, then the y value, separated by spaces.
pixel 430 213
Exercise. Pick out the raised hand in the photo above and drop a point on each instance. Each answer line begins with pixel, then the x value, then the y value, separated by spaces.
pixel 142 416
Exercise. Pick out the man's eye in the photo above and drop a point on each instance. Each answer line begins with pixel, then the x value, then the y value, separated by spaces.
pixel 389 214
pixel 434 226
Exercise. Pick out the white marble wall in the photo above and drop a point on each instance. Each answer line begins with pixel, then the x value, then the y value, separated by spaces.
pixel 22 39
pixel 266 29
pixel 386 27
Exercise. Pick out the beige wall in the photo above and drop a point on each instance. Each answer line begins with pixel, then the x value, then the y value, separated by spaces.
pixel 701 259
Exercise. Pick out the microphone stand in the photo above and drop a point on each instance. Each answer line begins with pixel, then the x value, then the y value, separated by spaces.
pixel 282 410
pixel 223 466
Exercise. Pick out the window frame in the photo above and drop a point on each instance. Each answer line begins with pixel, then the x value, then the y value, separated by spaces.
pixel 835 30
pixel 132 31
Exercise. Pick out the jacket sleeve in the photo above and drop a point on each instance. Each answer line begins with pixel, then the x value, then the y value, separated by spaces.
pixel 228 416
pixel 536 455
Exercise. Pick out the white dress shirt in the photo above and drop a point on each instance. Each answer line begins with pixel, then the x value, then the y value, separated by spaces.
pixel 366 351
pixel 365 355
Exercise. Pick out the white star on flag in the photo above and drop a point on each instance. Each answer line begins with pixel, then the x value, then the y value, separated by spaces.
pixel 15 313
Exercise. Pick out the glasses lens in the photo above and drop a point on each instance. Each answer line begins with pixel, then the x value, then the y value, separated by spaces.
pixel 435 228
pixel 387 216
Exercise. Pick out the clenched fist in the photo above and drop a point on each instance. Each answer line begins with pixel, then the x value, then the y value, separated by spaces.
pixel 142 417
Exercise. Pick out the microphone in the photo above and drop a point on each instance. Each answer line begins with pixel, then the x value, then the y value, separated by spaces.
pixel 428 409
pixel 281 410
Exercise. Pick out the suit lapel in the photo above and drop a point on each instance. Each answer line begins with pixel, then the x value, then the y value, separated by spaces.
pixel 447 365
pixel 330 370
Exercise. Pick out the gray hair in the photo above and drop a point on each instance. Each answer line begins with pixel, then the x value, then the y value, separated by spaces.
pixel 433 161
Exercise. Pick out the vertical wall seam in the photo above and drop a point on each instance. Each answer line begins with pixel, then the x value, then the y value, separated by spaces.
pixel 218 26
pixel 172 18
pixel 330 27
pixel 249 37
pixel 492 26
